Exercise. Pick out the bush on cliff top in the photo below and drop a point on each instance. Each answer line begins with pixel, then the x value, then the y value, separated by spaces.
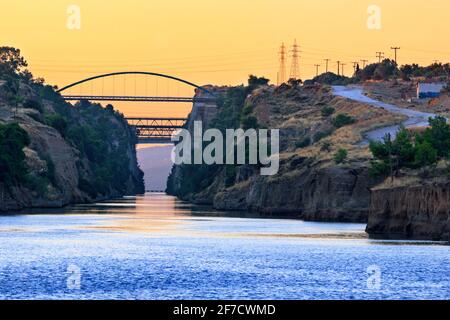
pixel 411 151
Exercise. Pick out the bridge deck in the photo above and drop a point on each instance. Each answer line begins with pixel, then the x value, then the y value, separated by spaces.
pixel 156 130
pixel 136 98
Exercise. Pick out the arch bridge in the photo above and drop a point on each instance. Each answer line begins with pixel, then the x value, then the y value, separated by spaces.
pixel 148 129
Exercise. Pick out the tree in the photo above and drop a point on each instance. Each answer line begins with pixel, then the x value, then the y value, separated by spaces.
pixel 12 158
pixel 340 156
pixel 438 136
pixel 402 149
pixel 385 70
pixel 11 61
pixel 58 122
pixel 255 82
pixel 425 155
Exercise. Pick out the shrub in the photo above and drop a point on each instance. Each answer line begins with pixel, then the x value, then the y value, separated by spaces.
pixel 343 119
pixel 305 142
pixel 326 146
pixel 340 156
pixel 319 135
pixel 249 122
pixel 38 184
pixel 58 122
pixel 327 111
pixel 12 158
pixel 33 104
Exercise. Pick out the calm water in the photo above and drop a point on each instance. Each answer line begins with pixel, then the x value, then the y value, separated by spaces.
pixel 155 247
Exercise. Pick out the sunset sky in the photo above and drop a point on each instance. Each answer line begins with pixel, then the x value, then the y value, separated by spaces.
pixel 218 42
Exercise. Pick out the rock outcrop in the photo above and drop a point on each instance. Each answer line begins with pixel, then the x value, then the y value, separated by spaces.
pixel 61 170
pixel 330 193
pixel 412 211
pixel 309 185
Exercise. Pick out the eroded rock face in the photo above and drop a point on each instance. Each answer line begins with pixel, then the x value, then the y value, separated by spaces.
pixel 420 212
pixel 307 186
pixel 67 169
pixel 337 193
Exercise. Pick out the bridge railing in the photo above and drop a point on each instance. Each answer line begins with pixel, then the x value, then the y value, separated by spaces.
pixel 155 130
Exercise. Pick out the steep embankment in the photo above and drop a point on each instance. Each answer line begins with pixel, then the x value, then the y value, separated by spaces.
pixel 311 184
pixel 415 203
pixel 71 155
pixel 411 209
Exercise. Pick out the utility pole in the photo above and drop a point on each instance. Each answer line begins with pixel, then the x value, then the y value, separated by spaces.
pixel 326 64
pixel 355 63
pixel 364 62
pixel 380 55
pixel 295 69
pixel 282 71
pixel 395 50
pixel 339 67
pixel 342 64
pixel 317 69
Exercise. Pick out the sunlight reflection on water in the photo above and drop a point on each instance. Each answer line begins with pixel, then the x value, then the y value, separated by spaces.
pixel 156 247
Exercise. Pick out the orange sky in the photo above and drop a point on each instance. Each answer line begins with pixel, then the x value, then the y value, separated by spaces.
pixel 218 42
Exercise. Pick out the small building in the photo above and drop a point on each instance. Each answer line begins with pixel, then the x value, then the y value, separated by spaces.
pixel 429 90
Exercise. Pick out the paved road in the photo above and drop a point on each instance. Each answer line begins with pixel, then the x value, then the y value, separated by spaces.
pixel 415 118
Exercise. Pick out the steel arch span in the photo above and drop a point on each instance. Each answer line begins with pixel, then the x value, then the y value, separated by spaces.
pixel 135 72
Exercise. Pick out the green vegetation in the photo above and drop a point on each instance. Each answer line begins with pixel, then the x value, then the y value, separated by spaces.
pixel 326 146
pixel 13 139
pixel 411 151
pixel 303 143
pixel 378 71
pixel 58 122
pixel 385 70
pixel 33 104
pixel 340 156
pixel 331 78
pixel 100 134
pixel 11 61
pixel 343 119
pixel 233 114
pixel 319 135
pixel 327 111
pixel 414 70
pixel 109 161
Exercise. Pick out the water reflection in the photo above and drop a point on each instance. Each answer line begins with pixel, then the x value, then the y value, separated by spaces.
pixel 157 247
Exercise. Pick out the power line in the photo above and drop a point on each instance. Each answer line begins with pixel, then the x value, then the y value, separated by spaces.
pixel 380 55
pixel 295 68
pixel 326 64
pixel 317 69
pixel 282 71
pixel 355 64
pixel 395 50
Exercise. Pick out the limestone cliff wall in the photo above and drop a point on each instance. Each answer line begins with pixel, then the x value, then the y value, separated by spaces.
pixel 58 171
pixel 306 187
pixel 313 192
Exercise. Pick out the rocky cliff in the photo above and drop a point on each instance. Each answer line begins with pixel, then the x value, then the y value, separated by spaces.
pixel 411 209
pixel 75 154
